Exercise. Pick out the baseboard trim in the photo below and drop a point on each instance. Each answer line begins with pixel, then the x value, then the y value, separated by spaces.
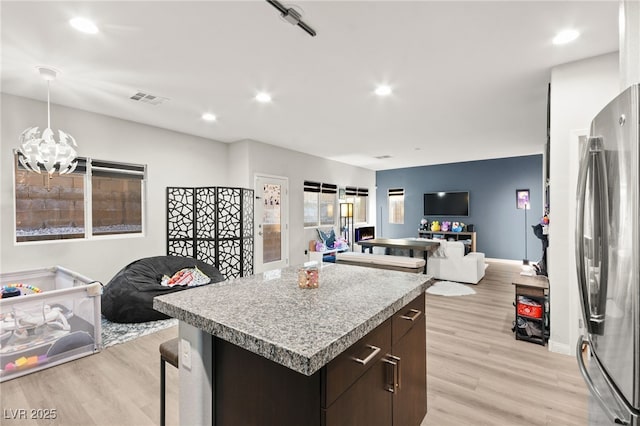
pixel 560 348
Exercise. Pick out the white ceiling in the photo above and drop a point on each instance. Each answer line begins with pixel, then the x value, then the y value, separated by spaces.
pixel 469 78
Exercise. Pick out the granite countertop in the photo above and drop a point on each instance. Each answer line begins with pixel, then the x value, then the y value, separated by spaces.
pixel 302 329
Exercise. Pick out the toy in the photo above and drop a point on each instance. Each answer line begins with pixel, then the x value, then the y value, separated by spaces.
pixel 10 292
pixel 340 243
pixel 24 362
pixel 457 226
pixel 19 285
pixel 424 224
pixel 20 321
pixel 435 226
pixel 445 226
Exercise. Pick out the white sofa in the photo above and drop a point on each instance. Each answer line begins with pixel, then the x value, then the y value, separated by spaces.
pixel 449 263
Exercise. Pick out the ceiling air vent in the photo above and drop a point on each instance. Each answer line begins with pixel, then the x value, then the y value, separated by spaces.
pixel 382 157
pixel 147 98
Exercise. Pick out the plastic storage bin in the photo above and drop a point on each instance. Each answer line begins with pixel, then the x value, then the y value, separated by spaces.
pixel 529 308
pixel 55 319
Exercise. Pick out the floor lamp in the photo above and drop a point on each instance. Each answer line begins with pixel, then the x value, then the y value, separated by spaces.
pixel 525 261
pixel 346 221
pixel 522 203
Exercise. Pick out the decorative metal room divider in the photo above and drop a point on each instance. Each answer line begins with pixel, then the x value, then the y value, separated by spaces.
pixel 212 224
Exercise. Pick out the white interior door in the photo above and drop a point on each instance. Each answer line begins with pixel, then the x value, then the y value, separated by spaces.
pixel 271 222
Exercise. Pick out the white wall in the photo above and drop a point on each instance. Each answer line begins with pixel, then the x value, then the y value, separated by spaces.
pixel 238 161
pixel 579 90
pixel 173 159
pixel 298 167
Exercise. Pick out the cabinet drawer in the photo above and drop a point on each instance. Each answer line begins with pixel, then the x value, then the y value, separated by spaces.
pixel 403 320
pixel 365 403
pixel 345 369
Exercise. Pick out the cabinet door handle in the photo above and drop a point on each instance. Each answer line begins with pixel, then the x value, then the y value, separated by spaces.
pixel 416 313
pixel 372 355
pixel 398 375
pixel 391 387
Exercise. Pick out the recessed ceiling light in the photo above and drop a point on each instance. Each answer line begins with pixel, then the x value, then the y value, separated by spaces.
pixel 207 116
pixel 565 36
pixel 383 90
pixel 84 25
pixel 263 97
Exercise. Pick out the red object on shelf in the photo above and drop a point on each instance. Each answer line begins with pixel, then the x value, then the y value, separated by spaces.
pixel 529 308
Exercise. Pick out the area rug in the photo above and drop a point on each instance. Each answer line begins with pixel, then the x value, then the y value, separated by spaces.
pixel 114 333
pixel 449 288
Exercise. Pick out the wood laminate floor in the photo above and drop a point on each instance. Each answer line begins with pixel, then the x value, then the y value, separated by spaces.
pixel 478 374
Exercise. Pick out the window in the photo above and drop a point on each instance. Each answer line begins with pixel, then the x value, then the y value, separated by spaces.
pixel 53 208
pixel 311 203
pixel 319 204
pixel 396 205
pixel 358 196
pixel 49 208
pixel 116 198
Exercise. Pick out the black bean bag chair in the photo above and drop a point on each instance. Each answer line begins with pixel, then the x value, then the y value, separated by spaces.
pixel 128 297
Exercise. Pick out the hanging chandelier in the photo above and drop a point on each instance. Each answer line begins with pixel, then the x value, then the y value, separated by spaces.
pixel 43 150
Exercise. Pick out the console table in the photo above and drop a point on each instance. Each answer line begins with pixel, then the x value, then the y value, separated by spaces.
pixel 457 236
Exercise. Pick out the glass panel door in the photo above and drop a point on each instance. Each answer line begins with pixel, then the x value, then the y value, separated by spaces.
pixel 271 223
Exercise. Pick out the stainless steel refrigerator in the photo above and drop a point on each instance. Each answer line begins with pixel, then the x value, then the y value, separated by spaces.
pixel 608 262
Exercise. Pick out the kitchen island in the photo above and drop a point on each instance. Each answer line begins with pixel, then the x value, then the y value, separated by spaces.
pixel 260 350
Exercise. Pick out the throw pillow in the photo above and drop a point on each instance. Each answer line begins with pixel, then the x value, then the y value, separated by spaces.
pixel 327 238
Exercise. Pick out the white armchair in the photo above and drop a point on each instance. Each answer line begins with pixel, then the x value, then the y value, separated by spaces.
pixel 449 263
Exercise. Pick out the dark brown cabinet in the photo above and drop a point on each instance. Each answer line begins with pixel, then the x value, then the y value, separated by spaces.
pixel 393 390
pixel 410 396
pixel 366 402
pixel 379 380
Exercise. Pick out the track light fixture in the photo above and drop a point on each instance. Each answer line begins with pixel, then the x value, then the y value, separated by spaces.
pixel 292 16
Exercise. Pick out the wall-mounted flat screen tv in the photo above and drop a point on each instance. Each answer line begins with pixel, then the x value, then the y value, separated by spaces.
pixel 446 203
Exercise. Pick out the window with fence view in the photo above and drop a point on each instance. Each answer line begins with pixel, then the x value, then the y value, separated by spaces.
pixel 53 207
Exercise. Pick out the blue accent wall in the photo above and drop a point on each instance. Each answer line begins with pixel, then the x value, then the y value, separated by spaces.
pixel 492 184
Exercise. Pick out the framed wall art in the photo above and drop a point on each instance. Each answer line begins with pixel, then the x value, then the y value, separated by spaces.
pixel 522 199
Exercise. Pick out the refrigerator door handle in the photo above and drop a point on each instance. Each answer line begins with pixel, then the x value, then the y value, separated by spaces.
pixel 594 161
pixel 597 151
pixel 617 418
pixel 580 262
